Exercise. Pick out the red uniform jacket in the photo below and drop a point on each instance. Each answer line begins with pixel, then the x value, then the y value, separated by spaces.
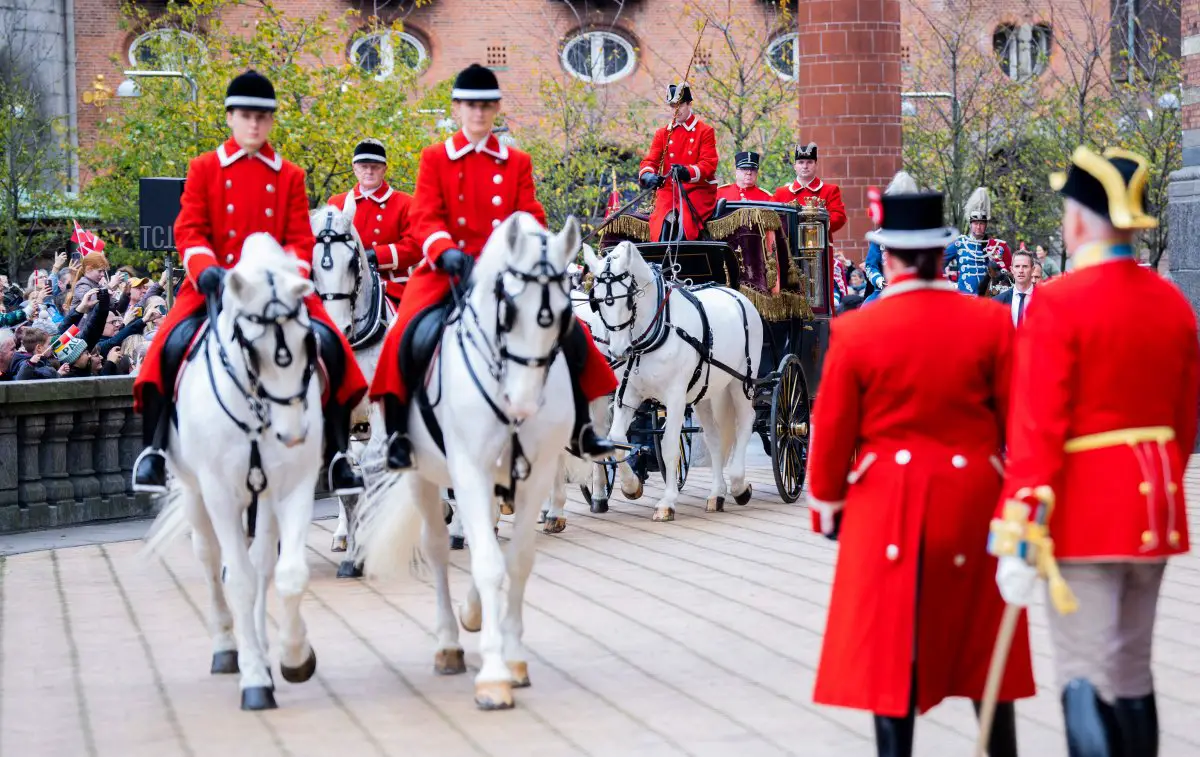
pixel 1106 350
pixel 732 193
pixel 830 193
pixel 692 144
pixel 909 454
pixel 228 196
pixel 381 219
pixel 464 191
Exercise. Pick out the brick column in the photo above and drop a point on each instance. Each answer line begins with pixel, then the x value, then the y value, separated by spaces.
pixel 1184 192
pixel 849 69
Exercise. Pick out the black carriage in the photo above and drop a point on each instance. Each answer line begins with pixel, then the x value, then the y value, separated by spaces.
pixel 756 244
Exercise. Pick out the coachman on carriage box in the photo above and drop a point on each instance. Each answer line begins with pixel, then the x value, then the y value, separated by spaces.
pixel 241 188
pixel 682 164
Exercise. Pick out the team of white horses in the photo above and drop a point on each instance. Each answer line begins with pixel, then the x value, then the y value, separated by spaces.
pixel 253 423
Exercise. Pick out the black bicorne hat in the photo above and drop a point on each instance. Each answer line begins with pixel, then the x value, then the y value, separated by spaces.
pixel 909 221
pixel 746 160
pixel 1113 185
pixel 250 91
pixel 475 82
pixel 806 152
pixel 370 151
pixel 679 93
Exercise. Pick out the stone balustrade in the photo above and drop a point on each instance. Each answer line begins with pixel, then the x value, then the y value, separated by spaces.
pixel 67 448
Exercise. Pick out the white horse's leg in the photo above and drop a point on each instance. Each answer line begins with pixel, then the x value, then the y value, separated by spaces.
pixel 341 533
pixel 743 418
pixel 297 660
pixel 435 546
pixel 553 516
pixel 346 508
pixel 519 556
pixel 676 409
pixel 220 621
pixel 631 485
pixel 473 490
pixel 709 412
pixel 458 537
pixel 264 551
pixel 256 685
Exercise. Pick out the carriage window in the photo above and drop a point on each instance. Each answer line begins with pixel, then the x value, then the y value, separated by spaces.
pixel 598 57
pixel 166 50
pixel 380 53
pixel 784 57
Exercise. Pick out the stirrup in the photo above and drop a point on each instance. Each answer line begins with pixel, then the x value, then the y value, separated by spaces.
pixel 395 438
pixel 150 488
pixel 577 445
pixel 344 491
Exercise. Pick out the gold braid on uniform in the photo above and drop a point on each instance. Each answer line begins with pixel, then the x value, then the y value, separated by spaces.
pixel 629 226
pixel 762 219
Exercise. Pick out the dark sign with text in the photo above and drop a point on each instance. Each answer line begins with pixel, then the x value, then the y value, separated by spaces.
pixel 158 206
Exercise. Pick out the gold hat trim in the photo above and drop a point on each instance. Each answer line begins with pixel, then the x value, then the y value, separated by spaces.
pixel 1124 200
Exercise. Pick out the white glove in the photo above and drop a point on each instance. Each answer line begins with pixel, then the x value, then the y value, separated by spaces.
pixel 1017 580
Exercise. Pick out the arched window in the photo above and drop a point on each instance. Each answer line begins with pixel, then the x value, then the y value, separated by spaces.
pixel 783 56
pixel 380 53
pixel 1023 51
pixel 599 57
pixel 165 50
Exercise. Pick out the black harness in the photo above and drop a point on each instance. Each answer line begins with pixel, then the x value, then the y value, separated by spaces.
pixel 368 329
pixel 327 237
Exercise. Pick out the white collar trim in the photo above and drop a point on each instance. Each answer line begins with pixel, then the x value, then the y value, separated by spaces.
pixel 226 160
pixel 482 147
pixel 359 194
pixel 690 124
pixel 918 285
pixel 797 186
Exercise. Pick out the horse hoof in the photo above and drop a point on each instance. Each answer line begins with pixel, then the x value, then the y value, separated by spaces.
pixel 449 662
pixel 555 526
pixel 494 695
pixel 349 569
pixel 599 505
pixel 471 621
pixel 663 514
pixel 224 663
pixel 520 674
pixel 302 673
pixel 635 494
pixel 506 508
pixel 339 544
pixel 715 505
pixel 458 542
pixel 744 497
pixel 258 698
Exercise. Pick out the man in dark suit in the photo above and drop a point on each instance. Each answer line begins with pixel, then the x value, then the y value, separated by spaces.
pixel 1017 298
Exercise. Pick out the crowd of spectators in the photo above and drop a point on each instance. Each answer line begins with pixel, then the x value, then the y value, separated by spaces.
pixel 79 319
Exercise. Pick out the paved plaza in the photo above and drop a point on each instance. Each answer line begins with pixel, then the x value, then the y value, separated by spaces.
pixel 698 637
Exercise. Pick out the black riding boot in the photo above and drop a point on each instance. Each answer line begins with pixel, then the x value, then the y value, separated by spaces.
pixel 1092 729
pixel 150 468
pixel 344 478
pixel 894 736
pixel 395 421
pixel 1138 721
pixel 585 442
pixel 1003 740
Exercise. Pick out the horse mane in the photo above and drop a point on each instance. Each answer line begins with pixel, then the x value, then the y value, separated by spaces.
pixel 495 255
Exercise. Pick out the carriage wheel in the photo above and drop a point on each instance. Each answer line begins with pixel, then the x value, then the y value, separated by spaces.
pixel 610 480
pixel 685 451
pixel 789 428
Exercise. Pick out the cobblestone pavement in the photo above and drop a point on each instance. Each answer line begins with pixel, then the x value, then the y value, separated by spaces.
pixel 698 637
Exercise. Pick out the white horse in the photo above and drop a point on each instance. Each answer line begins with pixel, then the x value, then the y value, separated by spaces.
pixel 250 420
pixel 643 318
pixel 501 395
pixel 353 294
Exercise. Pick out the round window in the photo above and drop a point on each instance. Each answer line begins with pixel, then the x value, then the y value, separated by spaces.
pixel 599 57
pixel 380 53
pixel 165 50
pixel 783 56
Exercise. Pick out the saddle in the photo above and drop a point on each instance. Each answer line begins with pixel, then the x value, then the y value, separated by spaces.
pixel 420 342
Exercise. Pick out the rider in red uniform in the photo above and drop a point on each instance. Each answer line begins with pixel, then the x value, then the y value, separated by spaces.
pixel 683 155
pixel 241 188
pixel 466 187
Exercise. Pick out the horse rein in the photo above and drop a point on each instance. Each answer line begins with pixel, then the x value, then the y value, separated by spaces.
pixel 327 237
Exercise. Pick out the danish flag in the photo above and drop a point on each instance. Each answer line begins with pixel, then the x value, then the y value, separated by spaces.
pixel 86 240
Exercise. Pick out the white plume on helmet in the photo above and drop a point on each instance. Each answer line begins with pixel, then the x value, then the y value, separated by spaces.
pixel 979 205
pixel 902 184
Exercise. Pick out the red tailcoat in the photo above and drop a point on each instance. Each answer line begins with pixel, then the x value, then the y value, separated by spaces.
pixel 228 196
pixel 463 192
pixel 692 144
pixel 1109 349
pixel 913 570
pixel 381 219
pixel 731 193
pixel 830 193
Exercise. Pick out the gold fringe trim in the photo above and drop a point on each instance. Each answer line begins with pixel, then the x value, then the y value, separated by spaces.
pixel 628 226
pixel 764 220
pixel 779 307
pixel 772 266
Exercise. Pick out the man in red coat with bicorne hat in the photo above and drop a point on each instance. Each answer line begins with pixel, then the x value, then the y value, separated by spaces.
pixel 745 181
pixel 808 184
pixel 241 188
pixel 904 472
pixel 682 164
pixel 466 187
pixel 1097 448
pixel 381 217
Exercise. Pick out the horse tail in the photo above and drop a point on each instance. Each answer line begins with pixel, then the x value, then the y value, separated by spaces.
pixel 387 526
pixel 170 524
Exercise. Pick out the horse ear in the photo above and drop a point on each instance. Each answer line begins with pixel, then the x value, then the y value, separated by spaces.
pixel 301 287
pixel 235 284
pixel 512 231
pixel 349 207
pixel 593 261
pixel 570 237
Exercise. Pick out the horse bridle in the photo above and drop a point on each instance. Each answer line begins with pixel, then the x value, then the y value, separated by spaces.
pixel 328 238
pixel 607 278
